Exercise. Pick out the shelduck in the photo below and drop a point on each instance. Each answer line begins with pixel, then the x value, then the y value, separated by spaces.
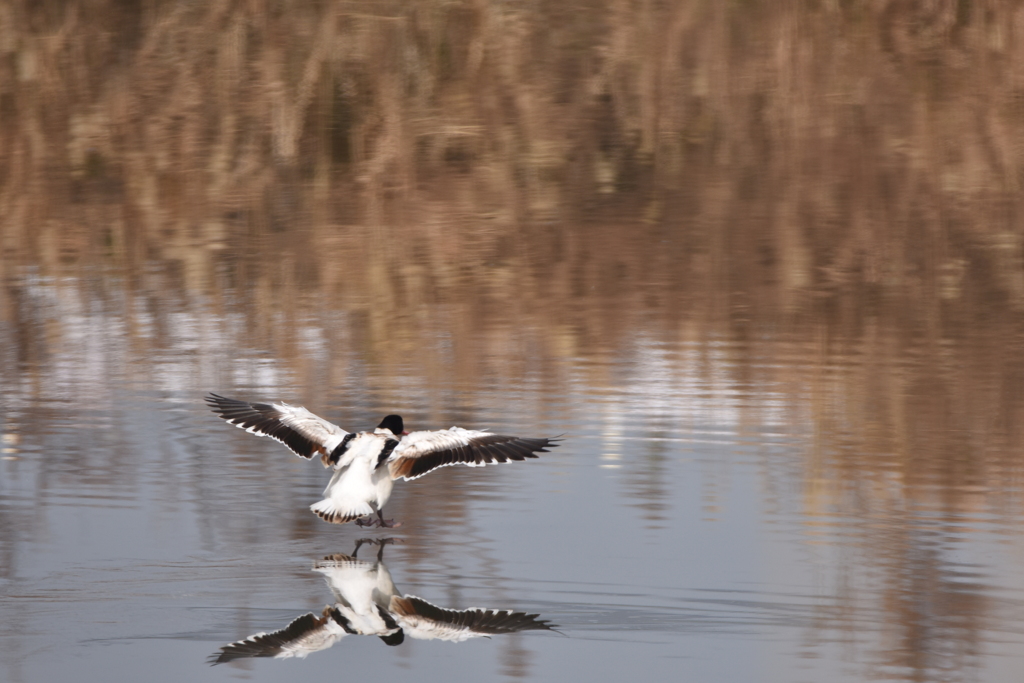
pixel 366 464
pixel 367 603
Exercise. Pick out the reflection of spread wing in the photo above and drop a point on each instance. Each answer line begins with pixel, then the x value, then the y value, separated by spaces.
pixel 425 621
pixel 294 426
pixel 421 452
pixel 306 634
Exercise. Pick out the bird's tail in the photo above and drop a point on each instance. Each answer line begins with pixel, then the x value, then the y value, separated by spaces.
pixel 330 511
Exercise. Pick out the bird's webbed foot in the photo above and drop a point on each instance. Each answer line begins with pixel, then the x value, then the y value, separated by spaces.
pixel 386 523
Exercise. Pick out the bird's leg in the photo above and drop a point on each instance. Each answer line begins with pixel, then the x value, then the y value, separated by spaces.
pixel 360 543
pixel 386 523
pixel 366 521
pixel 383 542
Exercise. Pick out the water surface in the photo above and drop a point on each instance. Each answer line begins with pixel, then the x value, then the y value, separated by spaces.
pixel 711 510
pixel 760 265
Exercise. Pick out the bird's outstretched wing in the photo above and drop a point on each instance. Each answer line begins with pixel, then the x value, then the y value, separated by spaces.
pixel 305 634
pixel 294 426
pixel 425 621
pixel 421 452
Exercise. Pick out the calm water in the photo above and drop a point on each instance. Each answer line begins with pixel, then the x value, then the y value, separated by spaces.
pixel 760 264
pixel 693 521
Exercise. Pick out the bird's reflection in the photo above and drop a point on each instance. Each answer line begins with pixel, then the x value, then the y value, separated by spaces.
pixel 367 603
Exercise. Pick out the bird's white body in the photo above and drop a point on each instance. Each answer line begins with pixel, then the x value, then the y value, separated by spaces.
pixel 358 487
pixel 362 593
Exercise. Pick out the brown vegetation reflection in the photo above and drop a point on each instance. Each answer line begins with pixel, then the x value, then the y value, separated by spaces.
pixel 832 188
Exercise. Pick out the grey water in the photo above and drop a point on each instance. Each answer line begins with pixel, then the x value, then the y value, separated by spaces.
pixel 679 530
pixel 759 265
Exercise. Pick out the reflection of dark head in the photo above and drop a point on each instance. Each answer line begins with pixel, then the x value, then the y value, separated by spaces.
pixel 395 638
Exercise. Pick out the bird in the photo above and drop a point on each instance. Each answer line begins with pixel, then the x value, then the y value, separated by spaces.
pixel 362 593
pixel 366 464
pixel 367 603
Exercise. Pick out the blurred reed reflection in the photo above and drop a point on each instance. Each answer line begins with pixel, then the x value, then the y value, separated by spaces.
pixel 807 214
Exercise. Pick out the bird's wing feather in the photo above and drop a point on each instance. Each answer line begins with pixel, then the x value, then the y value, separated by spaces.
pixel 422 452
pixel 305 634
pixel 300 430
pixel 421 619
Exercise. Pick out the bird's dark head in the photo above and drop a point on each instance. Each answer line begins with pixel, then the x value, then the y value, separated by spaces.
pixel 394 423
pixel 395 638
